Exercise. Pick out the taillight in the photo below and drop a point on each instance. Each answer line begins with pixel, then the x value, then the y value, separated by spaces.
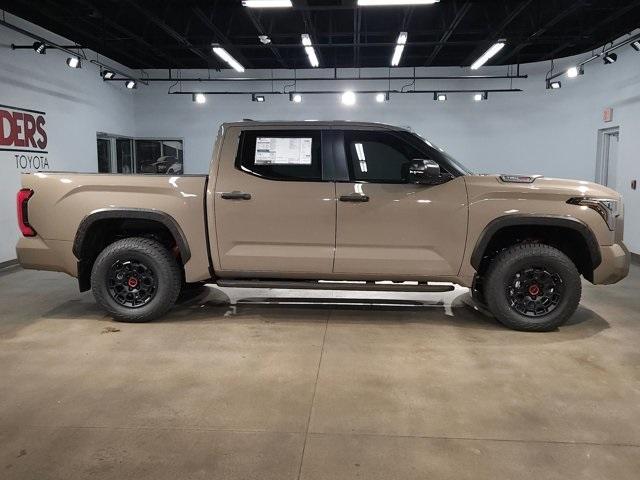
pixel 23 214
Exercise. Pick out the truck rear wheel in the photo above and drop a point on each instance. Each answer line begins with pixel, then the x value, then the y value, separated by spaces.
pixel 135 280
pixel 532 287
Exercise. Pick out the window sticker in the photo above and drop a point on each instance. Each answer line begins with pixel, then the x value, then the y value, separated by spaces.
pixel 283 151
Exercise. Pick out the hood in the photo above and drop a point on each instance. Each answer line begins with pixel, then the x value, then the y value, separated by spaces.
pixel 547 185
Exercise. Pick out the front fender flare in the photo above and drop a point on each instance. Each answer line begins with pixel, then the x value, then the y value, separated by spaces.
pixel 535 220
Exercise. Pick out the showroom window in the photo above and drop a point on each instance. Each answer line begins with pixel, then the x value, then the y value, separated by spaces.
pixel 281 155
pixel 138 155
pixel 378 157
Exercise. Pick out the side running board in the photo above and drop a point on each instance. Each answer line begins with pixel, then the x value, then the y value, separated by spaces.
pixel 333 285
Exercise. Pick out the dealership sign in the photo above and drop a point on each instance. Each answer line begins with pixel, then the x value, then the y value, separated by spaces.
pixel 23 134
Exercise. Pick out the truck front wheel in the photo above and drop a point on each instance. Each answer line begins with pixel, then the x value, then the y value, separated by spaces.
pixel 532 287
pixel 135 280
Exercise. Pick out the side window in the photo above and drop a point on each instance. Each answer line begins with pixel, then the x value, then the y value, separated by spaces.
pixel 293 155
pixel 378 157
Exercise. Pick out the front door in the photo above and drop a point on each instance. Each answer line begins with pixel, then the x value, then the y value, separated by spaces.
pixel 390 228
pixel 274 213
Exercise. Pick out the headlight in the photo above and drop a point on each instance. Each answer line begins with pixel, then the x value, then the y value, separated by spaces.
pixel 608 208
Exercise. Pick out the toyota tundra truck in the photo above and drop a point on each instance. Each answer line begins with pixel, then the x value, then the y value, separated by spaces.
pixel 326 205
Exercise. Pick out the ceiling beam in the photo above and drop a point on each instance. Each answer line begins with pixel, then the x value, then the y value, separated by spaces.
pixel 551 23
pixel 616 14
pixel 261 31
pixel 219 37
pixel 117 27
pixel 497 32
pixel 460 14
pixel 158 22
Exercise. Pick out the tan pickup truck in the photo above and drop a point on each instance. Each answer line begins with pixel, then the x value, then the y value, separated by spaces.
pixel 326 205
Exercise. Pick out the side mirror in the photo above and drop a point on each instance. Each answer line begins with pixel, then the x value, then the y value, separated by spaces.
pixel 424 172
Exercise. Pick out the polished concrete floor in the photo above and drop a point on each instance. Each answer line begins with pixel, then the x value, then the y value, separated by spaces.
pixel 259 384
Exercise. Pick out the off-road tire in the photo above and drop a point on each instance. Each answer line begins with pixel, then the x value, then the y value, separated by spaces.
pixel 161 264
pixel 515 259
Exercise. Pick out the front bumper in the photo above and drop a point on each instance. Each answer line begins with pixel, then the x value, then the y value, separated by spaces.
pixel 614 266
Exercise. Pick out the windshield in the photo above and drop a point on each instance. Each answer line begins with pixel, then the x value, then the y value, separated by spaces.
pixel 438 152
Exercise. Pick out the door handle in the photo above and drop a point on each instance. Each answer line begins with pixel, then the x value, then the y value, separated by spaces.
pixel 354 197
pixel 236 195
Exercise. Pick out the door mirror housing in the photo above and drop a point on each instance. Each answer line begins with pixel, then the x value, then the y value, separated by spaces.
pixel 426 172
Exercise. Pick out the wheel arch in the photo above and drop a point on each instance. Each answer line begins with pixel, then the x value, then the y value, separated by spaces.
pixel 89 228
pixel 586 254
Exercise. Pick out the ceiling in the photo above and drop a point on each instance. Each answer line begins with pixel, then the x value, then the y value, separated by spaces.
pixel 178 34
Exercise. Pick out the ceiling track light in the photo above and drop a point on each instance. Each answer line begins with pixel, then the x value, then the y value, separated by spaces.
pixel 295 97
pixel 74 62
pixel 439 97
pixel 199 98
pixel 573 72
pixel 636 45
pixel 397 53
pixel 130 84
pixel 479 97
pixel 486 56
pixel 226 57
pixel 610 58
pixel 40 48
pixel 394 3
pixel 267 3
pixel 257 98
pixel 382 97
pixel 308 47
pixel 555 85
pixel 107 74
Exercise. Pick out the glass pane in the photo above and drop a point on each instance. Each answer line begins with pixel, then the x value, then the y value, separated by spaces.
pixel 148 153
pixel 124 158
pixel 172 156
pixel 104 155
pixel 379 157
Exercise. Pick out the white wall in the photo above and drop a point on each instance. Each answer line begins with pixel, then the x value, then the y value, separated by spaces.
pixel 77 104
pixel 536 131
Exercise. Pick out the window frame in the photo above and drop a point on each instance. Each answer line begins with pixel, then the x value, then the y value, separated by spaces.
pixel 324 156
pixel 114 137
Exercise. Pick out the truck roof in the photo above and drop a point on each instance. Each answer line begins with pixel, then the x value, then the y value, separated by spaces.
pixel 305 123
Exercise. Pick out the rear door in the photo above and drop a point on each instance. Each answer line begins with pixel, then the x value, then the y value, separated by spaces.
pixel 388 227
pixel 275 206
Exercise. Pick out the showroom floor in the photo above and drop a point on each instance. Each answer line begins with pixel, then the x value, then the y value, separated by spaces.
pixel 417 387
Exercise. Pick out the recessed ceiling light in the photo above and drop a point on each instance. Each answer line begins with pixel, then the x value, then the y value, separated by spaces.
pixel 199 98
pixel 267 3
pixel 74 62
pixel 295 97
pixel 224 55
pixel 493 49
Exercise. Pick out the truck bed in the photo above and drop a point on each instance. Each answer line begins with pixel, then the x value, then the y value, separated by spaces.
pixel 61 201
